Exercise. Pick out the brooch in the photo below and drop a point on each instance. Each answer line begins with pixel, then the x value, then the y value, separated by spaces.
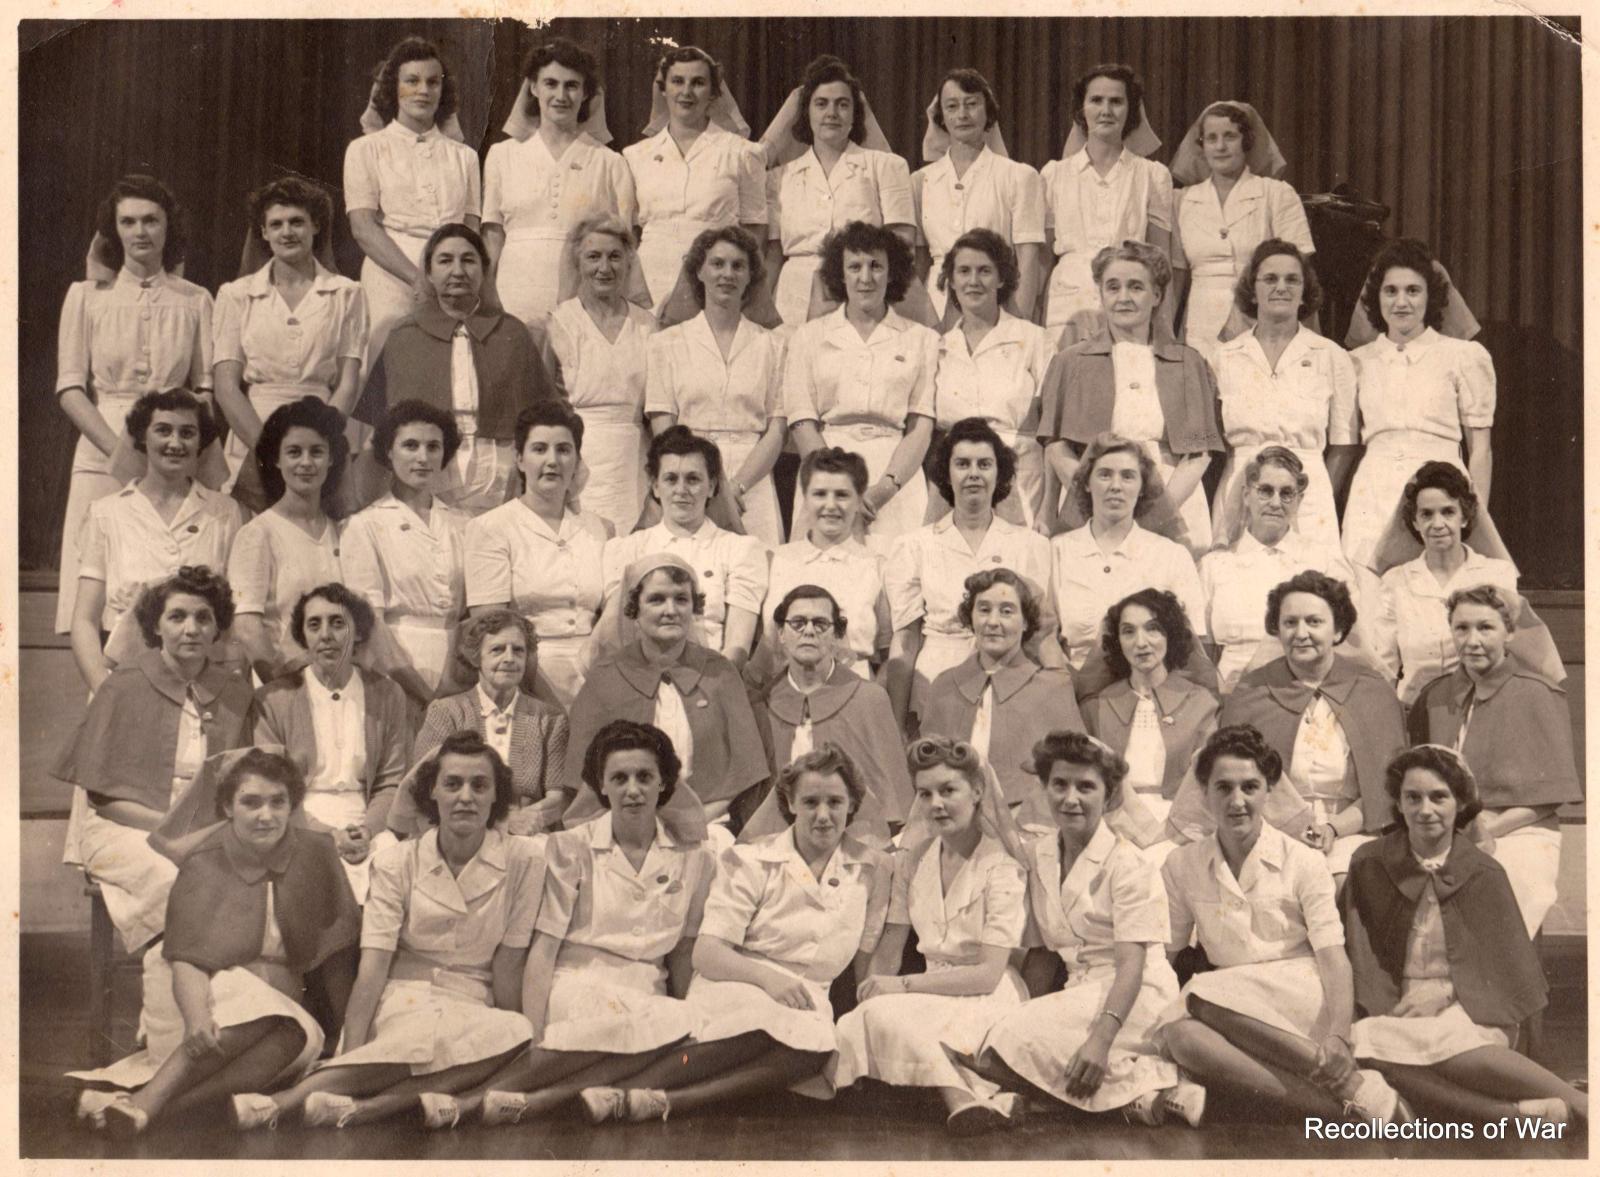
pixel 193 529
pixel 899 359
pixel 658 158
pixel 662 879
pixel 405 527
pixel 833 882
pixel 702 702
pixel 1168 720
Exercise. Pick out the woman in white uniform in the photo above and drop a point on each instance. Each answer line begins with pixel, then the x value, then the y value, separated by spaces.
pixel 1422 394
pixel 409 173
pixel 1101 191
pixel 595 350
pixel 138 328
pixel 862 377
pixel 695 169
pixel 1282 384
pixel 553 172
pixel 1232 204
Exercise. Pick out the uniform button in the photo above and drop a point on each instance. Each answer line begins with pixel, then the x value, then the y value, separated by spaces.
pixel 638 929
pixel 1223 234
pixel 960 187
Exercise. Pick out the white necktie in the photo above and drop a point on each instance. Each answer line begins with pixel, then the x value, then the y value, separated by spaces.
pixel 463 393
pixel 804 740
pixel 672 718
pixel 984 719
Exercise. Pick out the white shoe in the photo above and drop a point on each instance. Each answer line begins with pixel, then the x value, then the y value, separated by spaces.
pixel 604 1103
pixel 326 1110
pixel 1148 1109
pixel 1373 1099
pixel 1552 1110
pixel 123 1119
pixel 439 1111
pixel 1187 1099
pixel 647 1103
pixel 504 1107
pixel 92 1106
pixel 255 1111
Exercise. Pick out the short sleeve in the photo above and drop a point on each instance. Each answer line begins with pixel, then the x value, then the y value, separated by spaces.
pixel 894 189
pixel 660 378
pixel 565 856
pixel 903 869
pixel 1344 417
pixel 614 559
pixel 1047 176
pixel 1184 581
pixel 92 544
pixel 1027 207
pixel 526 878
pixel 702 872
pixel 1180 260
pixel 469 165
pixel 1289 216
pixel 1159 210
pixel 752 180
pixel 200 358
pixel 227 324
pixel 735 896
pixel 902 582
pixel 880 886
pixel 487 563
pixel 622 189
pixel 1211 567
pixel 361 190
pixel 493 167
pixel 360 564
pixel 775 204
pixel 1382 633
pixel 799 382
pixel 774 398
pixel 72 339
pixel 921 402
pixel 1180 915
pixel 250 569
pixel 354 326
pixel 1475 386
pixel 746 584
pixel 1005 904
pixel 918 179
pixel 388 890
pixel 1314 889
pixel 1138 900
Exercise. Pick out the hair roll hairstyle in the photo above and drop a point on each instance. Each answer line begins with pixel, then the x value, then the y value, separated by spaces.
pixel 173 400
pixel 1080 748
pixel 194 580
pixel 830 459
pixel 624 735
pixel 1242 742
pixel 1447 478
pixel 466 742
pixel 1152 259
pixel 293 192
pixel 1283 458
pixel 828 760
pixel 942 752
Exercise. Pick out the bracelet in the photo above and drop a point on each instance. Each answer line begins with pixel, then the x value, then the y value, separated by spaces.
pixel 1113 1016
pixel 888 476
pixel 905 984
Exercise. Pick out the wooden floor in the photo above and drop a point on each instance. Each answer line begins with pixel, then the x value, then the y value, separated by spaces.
pixel 876 1124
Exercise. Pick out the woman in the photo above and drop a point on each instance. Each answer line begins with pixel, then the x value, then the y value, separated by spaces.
pixel 149 529
pixel 538 557
pixel 408 174
pixel 609 966
pixel 970 184
pixel 1136 382
pixel 695 169
pixel 686 474
pixel 991 363
pixel 140 328
pixel 259 904
pixel 301 458
pixel 833 166
pixel 1514 729
pixel 998 699
pixel 1282 384
pixel 1111 556
pixel 595 350
pixel 1270 1020
pixel 1443 972
pixel 861 377
pixel 1151 715
pixel 1422 394
pixel 964 891
pixel 1101 192
pixel 664 676
pixel 1101 910
pixel 926 575
pixel 1232 203
pixel 528 735
pixel 720 374
pixel 552 174
pixel 406 554
pixel 437 1000
pixel 1412 632
pixel 294 326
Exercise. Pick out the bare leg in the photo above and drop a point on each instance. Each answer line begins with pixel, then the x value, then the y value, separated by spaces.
pixel 254 1070
pixel 1429 1089
pixel 1502 1072
pixel 180 1072
pixel 775 1069
pixel 367 1079
pixel 692 1064
pixel 402 1096
pixel 610 1071
pixel 532 1069
pixel 1211 1058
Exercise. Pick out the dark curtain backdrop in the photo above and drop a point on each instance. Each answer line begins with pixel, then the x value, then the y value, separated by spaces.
pixel 1467 128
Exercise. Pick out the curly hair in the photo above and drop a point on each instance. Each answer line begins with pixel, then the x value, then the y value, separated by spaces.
pixel 1444 763
pixel 830 459
pixel 569 54
pixel 293 192
pixel 1170 619
pixel 386 79
pixel 1335 592
pixel 135 186
pixel 269 766
pixel 1406 253
pixel 981 582
pixel 1244 290
pixel 1235 115
pixel 624 735
pixel 1242 742
pixel 1100 447
pixel 819 73
pixel 697 599
pixel 1154 261
pixel 861 237
pixel 826 760
pixel 1487 595
pixel 322 419
pixel 682 441
pixel 974 429
pixel 414 412
pixel 552 413
pixel 605 223
pixel 935 751
pixel 968 81
pixel 1441 476
pixel 1079 748
pixel 701 248
pixel 682 55
pixel 1281 457
pixel 809 592
pixel 361 615
pixel 1131 84
pixel 451 230
pixel 481 626
pixel 173 400
pixel 999 251
pixel 466 742
pixel 194 580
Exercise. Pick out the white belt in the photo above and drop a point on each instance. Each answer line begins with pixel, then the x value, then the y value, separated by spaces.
pixel 536 233
pixel 862 430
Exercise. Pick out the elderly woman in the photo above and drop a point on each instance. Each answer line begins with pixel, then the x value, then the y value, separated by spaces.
pixel 686 474
pixel 695 169
pixel 830 181
pixel 1282 384
pixel 1440 1024
pixel 1111 556
pixel 408 174
pixel 991 363
pixel 998 699
pixel 1151 714
pixel 861 377
pixel 258 905
pixel 1100 909
pixel 1514 728
pixel 970 184
pixel 1236 579
pixel 1412 632
pixel 964 891
pixel 137 329
pixel 721 375
pixel 1271 1018
pixel 554 173
pixel 595 349
pixel 1136 382
pixel 437 1002
pixel 405 554
pixel 1422 394
pixel 536 555
pixel 291 328
pixel 1233 203
pixel 149 529
pixel 346 728
pixel 527 734
pixel 1100 194
pixel 926 574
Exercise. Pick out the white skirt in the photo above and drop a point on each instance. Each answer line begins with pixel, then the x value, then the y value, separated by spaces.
pixel 1072 293
pixel 560 668
pixel 480 476
pixel 1317 521
pixel 727 1009
pixel 134 879
pixel 614 453
pixel 348 808
pixel 940 652
pixel 606 1003
pixel 793 296
pixel 662 245
pixel 1285 994
pixel 1391 460
pixel 431 1026
pixel 1195 511
pixel 528 277
pixel 876 445
pixel 760 516
pixel 1531 858
pixel 426 642
pixel 388 299
pixel 1421 1042
pixel 1210 304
